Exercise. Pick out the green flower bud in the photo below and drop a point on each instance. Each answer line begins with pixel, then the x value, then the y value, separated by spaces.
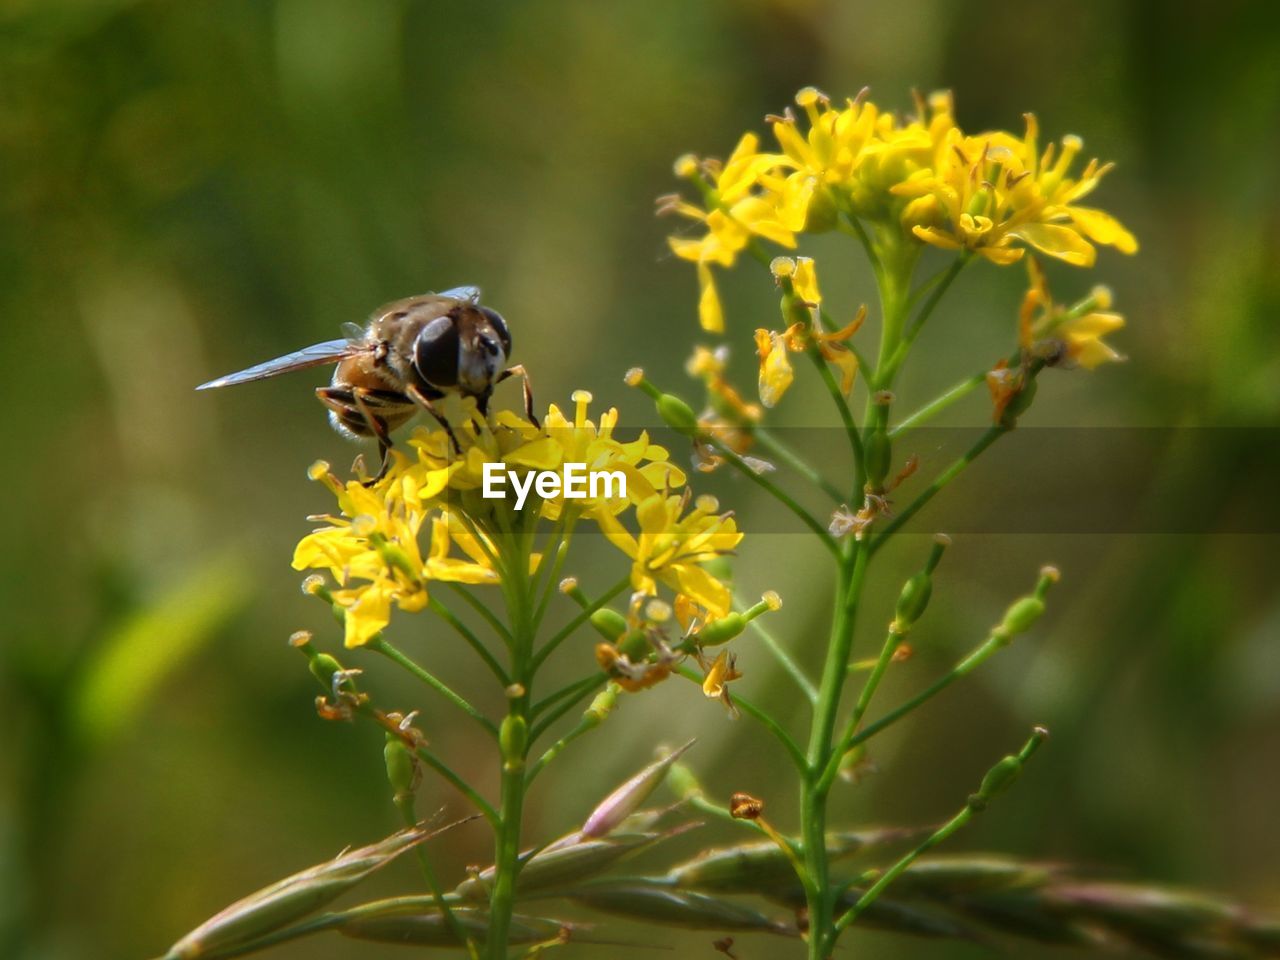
pixel 609 623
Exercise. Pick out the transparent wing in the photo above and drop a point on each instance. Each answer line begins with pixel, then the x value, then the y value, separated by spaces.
pixel 318 354
pixel 470 294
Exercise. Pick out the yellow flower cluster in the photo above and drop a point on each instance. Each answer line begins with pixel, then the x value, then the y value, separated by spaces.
pixel 425 519
pixel 913 180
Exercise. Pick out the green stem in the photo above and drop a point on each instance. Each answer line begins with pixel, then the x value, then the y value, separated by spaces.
pixel 381 646
pixel 427 756
pixel 996 780
pixel 549 647
pixel 891 642
pixel 912 330
pixel 780 451
pixel 989 436
pixel 483 610
pixel 468 635
pixel 976 657
pixel 582 691
pixel 938 404
pixel 404 803
pixel 785 660
pixel 514 743
pixel 770 724
pixel 842 405
pixel 778 494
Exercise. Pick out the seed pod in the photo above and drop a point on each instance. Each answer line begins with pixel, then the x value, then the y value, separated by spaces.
pixel 609 623
pixel 1021 615
pixel 722 630
pixel 323 667
pixel 401 769
pixel 876 457
pixel 513 739
pixel 679 908
pixel 677 413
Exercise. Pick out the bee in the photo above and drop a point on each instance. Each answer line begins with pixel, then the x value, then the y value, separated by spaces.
pixel 412 353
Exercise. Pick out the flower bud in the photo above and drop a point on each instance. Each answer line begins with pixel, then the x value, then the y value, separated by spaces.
pixel 627 798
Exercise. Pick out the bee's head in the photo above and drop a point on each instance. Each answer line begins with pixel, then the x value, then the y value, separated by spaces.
pixel 466 349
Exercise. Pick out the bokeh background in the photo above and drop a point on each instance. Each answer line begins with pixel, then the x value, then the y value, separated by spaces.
pixel 186 188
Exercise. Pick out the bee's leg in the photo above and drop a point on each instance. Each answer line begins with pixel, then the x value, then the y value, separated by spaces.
pixel 422 400
pixel 519 371
pixel 378 427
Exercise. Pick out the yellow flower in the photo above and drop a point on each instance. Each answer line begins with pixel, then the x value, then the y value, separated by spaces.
pixel 993 195
pixel 1074 335
pixel 721 672
pixel 421 521
pixel 735 213
pixel 776 373
pixel 672 548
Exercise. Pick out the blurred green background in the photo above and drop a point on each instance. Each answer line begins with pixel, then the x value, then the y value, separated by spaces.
pixel 189 187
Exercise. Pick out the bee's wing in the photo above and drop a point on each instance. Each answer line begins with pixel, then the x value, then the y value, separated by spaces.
pixel 470 294
pixel 331 351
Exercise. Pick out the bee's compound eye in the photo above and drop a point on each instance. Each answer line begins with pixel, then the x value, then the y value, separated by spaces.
pixel 435 353
pixel 500 328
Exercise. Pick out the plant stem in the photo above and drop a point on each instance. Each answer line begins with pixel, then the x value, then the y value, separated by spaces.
pixel 938 404
pixel 780 451
pixel 976 803
pixel 785 659
pixel 475 604
pixel 989 436
pixel 891 642
pixel 976 657
pixel 549 647
pixel 778 494
pixel 392 653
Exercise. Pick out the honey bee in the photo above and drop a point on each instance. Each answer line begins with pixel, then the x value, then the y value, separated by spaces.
pixel 411 353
